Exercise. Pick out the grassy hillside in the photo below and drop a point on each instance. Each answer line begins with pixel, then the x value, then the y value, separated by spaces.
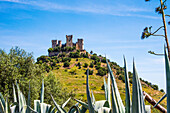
pixel 74 78
pixel 77 82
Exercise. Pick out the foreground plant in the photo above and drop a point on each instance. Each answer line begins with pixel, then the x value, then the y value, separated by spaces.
pixel 20 105
pixel 115 105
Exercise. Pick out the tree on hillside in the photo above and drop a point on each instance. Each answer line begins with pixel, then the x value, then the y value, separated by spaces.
pixel 147 32
pixel 18 65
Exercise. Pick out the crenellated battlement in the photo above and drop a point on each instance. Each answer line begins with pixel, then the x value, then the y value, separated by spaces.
pixel 69 43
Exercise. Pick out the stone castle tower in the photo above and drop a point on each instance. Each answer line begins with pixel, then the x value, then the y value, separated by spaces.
pixel 80 44
pixel 69 43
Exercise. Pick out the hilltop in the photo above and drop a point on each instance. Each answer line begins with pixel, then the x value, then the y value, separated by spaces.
pixel 70 68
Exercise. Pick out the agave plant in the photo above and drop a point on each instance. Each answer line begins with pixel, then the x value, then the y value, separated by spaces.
pixel 20 105
pixel 115 105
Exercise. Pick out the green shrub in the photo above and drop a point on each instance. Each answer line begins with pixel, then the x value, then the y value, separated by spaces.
pixel 102 71
pixel 50 50
pixel 85 65
pixel 162 90
pixel 122 77
pixel 103 60
pixel 91 65
pixel 66 64
pixel 155 87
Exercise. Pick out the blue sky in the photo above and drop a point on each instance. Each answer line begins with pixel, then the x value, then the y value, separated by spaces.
pixel 110 27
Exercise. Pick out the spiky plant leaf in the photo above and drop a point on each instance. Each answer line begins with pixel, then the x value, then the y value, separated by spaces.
pixel 104 110
pixel 108 89
pixel 57 106
pixel 42 92
pixel 116 93
pixel 2 103
pixel 14 93
pixel 31 110
pixel 114 103
pixel 75 109
pixel 93 98
pixel 160 100
pixel 82 103
pixel 90 105
pixel 44 107
pixel 21 98
pixel 53 110
pixel 127 88
pixel 37 106
pixel 13 109
pixel 105 89
pixel 72 110
pixel 167 65
pixel 29 99
pixel 100 104
pixel 83 109
pixel 7 108
pixel 65 103
pixel 137 95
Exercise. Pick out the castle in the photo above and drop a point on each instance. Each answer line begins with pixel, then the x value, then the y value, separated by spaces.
pixel 79 45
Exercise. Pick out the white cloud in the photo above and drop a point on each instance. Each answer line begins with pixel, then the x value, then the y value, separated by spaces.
pixel 119 10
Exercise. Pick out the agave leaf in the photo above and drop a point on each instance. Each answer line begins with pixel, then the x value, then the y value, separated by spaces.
pixel 105 89
pixel 91 109
pixel 44 107
pixel 49 108
pixel 65 103
pixel 93 98
pixel 37 106
pixel 148 108
pixel 73 109
pixel 104 110
pixel 13 109
pixel 114 103
pixel 2 103
pixel 83 109
pixel 24 109
pixel 42 92
pixel 116 93
pixel 53 110
pixel 167 80
pixel 137 95
pixel 57 106
pixel 100 104
pixel 108 89
pixel 32 111
pixel 19 97
pixel 7 108
pixel 82 103
pixel 160 100
pixel 128 100
pixel 15 97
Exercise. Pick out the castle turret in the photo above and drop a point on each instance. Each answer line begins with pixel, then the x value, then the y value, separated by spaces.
pixel 80 44
pixel 69 42
pixel 54 43
pixel 59 43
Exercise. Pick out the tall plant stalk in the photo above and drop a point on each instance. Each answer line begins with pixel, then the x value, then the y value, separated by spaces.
pixel 165 29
